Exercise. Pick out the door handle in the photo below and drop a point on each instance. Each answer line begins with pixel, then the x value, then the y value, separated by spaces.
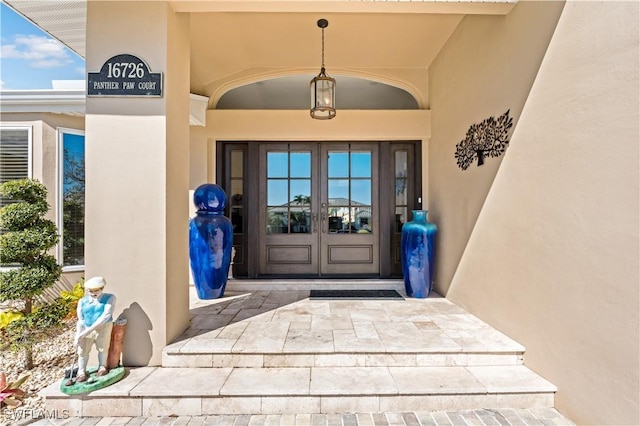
pixel 323 217
pixel 314 218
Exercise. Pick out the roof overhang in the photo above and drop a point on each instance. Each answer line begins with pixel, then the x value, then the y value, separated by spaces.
pixel 67 20
pixel 69 102
pixel 73 102
pixel 235 43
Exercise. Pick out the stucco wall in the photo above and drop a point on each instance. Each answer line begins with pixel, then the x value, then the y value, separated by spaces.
pixel 552 259
pixel 486 68
pixel 137 160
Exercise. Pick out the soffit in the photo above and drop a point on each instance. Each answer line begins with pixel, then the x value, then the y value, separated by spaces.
pixel 233 49
pixel 238 42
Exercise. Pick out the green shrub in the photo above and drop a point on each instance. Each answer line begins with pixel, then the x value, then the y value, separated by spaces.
pixel 25 242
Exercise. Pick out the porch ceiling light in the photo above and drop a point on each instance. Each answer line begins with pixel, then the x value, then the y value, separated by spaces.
pixel 323 88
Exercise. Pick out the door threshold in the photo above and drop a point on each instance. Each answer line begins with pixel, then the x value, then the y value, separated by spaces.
pixel 315 284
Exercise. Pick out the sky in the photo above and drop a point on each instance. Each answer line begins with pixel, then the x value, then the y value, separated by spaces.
pixel 30 58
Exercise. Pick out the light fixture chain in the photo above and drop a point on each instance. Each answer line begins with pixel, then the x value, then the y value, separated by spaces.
pixel 323 48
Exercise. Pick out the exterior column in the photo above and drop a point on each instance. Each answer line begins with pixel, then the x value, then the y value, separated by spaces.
pixel 137 175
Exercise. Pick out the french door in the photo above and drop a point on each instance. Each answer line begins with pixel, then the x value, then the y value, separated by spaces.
pixel 318 209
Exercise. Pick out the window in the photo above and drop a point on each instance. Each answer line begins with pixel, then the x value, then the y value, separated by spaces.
pixel 236 202
pixel 289 192
pixel 71 198
pixel 350 191
pixel 401 186
pixel 15 155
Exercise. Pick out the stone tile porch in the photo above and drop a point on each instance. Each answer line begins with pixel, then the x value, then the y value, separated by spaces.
pixel 268 349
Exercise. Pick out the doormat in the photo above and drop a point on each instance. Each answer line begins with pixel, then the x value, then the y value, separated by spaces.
pixel 354 294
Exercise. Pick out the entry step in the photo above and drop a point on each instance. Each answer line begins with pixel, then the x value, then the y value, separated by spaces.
pixel 158 391
pixel 194 357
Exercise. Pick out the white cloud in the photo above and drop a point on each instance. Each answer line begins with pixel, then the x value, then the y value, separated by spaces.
pixel 39 51
pixel 1 84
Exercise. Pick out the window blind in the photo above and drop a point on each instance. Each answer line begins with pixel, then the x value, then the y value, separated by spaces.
pixel 14 156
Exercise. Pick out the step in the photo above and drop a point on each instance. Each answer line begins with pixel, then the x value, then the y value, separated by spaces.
pixel 423 359
pixel 199 354
pixel 287 328
pixel 280 351
pixel 159 391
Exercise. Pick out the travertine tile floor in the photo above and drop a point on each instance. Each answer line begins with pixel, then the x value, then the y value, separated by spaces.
pixel 282 324
pixel 278 322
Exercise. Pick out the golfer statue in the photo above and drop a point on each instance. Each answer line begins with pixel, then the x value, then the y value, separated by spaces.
pixel 95 322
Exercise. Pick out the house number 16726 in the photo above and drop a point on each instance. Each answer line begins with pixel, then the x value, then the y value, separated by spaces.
pixel 125 70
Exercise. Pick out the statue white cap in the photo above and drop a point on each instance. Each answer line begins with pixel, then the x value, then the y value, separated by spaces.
pixel 95 283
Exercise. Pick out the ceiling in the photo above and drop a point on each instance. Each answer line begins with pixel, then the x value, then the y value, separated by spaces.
pixel 379 52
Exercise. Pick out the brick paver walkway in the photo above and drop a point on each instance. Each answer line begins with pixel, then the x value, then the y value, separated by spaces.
pixel 488 417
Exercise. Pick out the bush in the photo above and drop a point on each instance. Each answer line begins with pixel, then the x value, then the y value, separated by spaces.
pixel 25 243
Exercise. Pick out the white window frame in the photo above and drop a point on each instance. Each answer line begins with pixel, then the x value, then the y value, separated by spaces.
pixel 61 131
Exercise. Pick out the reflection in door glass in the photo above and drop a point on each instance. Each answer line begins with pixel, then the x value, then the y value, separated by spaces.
pixel 237 164
pixel 277 164
pixel 236 191
pixel 360 164
pixel 277 220
pixel 361 191
pixel 401 218
pixel 338 164
pixel 401 185
pixel 338 191
pixel 236 207
pixel 300 220
pixel 349 193
pixel 300 192
pixel 277 192
pixel 300 164
pixel 289 192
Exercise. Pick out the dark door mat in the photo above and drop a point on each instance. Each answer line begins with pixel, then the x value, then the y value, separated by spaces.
pixel 355 294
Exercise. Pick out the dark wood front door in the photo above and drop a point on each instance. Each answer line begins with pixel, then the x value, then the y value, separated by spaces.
pixel 319 209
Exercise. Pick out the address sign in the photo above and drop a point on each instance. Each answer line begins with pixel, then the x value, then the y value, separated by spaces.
pixel 124 75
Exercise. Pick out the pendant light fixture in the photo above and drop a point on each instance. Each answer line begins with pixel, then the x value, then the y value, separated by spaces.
pixel 323 88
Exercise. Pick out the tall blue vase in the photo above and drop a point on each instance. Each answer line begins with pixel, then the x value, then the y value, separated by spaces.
pixel 210 242
pixel 418 251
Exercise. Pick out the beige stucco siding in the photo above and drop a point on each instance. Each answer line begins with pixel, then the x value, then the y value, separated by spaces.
pixel 137 176
pixel 553 257
pixel 486 68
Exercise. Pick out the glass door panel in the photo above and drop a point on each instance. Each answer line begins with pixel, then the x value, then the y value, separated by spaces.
pixel 347 243
pixel 290 245
pixel 319 214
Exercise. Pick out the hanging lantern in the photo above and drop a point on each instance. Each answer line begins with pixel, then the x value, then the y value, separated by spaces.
pixel 323 88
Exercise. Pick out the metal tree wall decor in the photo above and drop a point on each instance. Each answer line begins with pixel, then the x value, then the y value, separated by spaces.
pixel 486 139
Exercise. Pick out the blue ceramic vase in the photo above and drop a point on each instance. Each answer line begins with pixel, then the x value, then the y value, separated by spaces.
pixel 210 242
pixel 418 251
